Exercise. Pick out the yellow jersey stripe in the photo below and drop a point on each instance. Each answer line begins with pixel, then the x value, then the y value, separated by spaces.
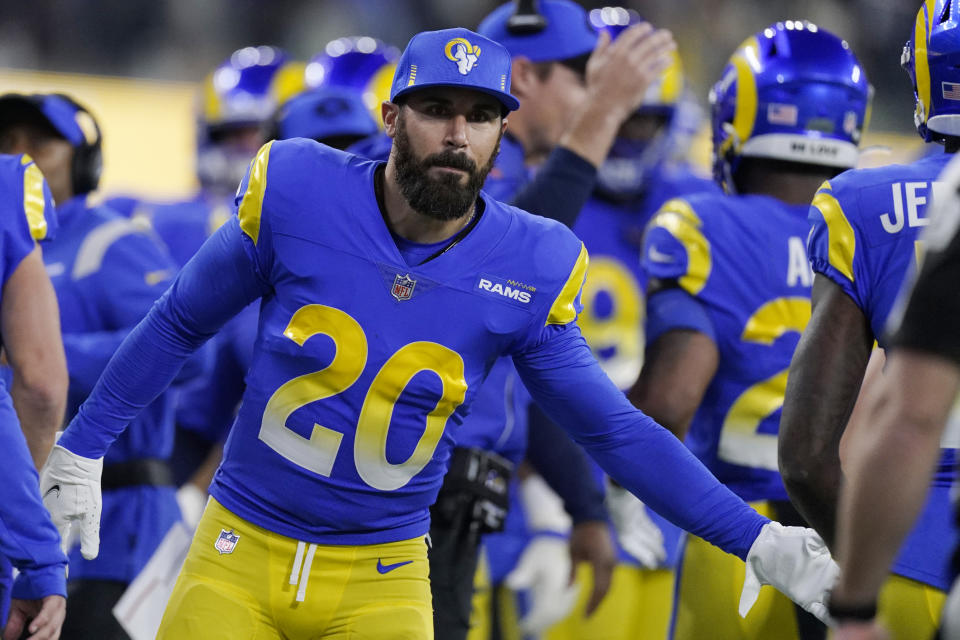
pixel 842 241
pixel 563 310
pixel 34 203
pixel 252 202
pixel 679 219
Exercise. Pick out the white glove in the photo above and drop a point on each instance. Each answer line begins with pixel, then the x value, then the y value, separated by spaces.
pixel 637 533
pixel 544 572
pixel 793 560
pixel 192 500
pixel 70 486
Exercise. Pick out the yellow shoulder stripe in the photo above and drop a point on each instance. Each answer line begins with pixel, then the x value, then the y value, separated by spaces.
pixel 563 310
pixel 679 219
pixel 843 243
pixel 252 203
pixel 34 203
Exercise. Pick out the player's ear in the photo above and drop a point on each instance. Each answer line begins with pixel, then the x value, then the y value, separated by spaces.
pixel 523 76
pixel 389 111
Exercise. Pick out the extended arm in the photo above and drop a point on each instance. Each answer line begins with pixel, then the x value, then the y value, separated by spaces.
pixel 31 335
pixel 825 377
pixel 563 376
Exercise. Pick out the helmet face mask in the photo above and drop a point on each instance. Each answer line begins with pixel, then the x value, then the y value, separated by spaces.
pixel 931 59
pixel 238 98
pixel 792 92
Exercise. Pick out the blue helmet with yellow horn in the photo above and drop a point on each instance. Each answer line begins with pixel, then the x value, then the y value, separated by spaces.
pixel 931 58
pixel 242 93
pixel 792 92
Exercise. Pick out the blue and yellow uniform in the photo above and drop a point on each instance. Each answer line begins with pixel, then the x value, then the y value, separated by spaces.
pixel 864 238
pixel 107 272
pixel 29 540
pixel 206 405
pixel 185 226
pixel 743 260
pixel 612 322
pixel 364 368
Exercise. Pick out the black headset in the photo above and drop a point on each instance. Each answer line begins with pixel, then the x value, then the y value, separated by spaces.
pixel 87 162
pixel 527 18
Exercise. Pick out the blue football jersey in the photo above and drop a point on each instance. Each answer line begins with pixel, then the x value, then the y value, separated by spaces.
pixel 865 238
pixel 341 278
pixel 743 259
pixel 107 272
pixel 865 226
pixel 29 214
pixel 28 539
pixel 613 293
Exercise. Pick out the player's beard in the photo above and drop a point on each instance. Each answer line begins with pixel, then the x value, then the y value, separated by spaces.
pixel 442 198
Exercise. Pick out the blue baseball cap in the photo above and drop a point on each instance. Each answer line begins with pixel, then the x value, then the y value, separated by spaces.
pixel 560 32
pixel 70 120
pixel 323 113
pixel 454 58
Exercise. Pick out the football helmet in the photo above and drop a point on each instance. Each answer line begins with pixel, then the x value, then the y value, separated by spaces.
pixel 792 92
pixel 240 95
pixel 659 131
pixel 931 58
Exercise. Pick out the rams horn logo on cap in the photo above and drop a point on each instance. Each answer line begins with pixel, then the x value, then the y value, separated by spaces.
pixel 460 50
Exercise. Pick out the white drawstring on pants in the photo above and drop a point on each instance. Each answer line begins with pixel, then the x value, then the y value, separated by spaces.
pixel 298 577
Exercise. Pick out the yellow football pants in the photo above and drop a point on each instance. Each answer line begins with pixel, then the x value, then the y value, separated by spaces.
pixel 910 609
pixel 708 596
pixel 637 607
pixel 270 587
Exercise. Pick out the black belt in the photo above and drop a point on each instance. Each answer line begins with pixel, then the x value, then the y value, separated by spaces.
pixel 150 472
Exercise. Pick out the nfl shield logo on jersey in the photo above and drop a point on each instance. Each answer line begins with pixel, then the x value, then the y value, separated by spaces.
pixel 227 541
pixel 403 287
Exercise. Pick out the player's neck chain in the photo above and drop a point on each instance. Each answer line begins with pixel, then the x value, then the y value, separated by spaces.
pixel 478 208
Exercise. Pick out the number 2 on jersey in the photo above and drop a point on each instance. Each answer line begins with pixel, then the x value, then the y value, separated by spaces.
pixel 319 452
pixel 740 443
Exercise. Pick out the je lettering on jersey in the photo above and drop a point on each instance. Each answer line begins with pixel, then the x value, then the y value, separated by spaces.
pixel 909 200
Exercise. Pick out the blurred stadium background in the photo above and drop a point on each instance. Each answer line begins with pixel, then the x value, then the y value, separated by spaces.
pixel 137 64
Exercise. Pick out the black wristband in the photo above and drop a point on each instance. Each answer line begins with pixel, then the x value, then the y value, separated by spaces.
pixel 860 613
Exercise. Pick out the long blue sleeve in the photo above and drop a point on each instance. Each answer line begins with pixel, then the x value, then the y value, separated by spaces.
pixel 565 379
pixel 213 287
pixel 564 467
pixel 560 188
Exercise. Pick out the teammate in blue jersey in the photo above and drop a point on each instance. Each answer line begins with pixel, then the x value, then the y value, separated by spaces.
pixel 895 446
pixel 729 293
pixel 566 123
pixel 107 273
pixel 374 335
pixel 32 408
pixel 643 170
pixel 863 241
pixel 236 101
